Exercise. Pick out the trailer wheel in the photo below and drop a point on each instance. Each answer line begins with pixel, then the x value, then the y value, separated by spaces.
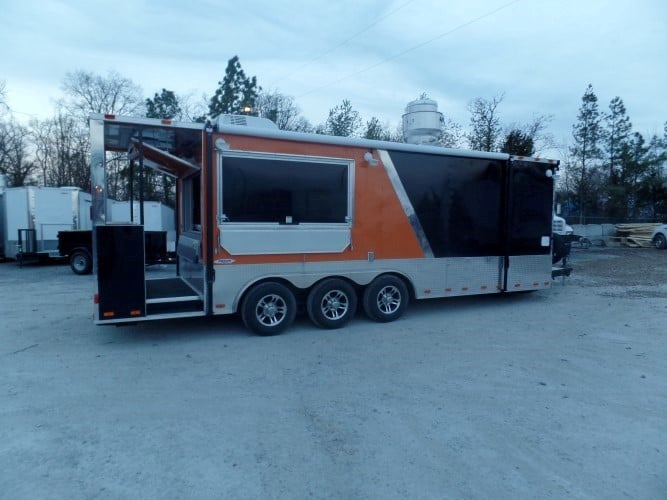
pixel 385 299
pixel 269 308
pixel 331 303
pixel 81 262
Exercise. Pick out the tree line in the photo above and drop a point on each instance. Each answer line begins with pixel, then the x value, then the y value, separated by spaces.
pixel 608 169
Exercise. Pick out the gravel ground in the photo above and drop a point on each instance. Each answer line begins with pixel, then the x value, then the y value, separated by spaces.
pixel 554 394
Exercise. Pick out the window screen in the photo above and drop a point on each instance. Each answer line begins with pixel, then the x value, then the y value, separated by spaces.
pixel 280 190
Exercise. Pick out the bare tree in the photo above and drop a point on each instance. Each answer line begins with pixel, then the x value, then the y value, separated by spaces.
pixel 485 129
pixel 4 107
pixel 193 109
pixel 536 129
pixel 453 135
pixel 61 149
pixel 15 160
pixel 89 93
pixel 280 109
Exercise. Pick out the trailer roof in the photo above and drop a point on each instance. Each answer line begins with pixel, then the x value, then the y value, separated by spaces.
pixel 312 138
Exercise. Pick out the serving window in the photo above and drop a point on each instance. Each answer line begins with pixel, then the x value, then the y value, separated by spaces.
pixel 293 195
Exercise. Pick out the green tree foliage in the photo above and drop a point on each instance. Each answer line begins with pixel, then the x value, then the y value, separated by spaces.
pixel 518 142
pixel 343 121
pixel 164 105
pixel 236 92
pixel 377 131
pixel 160 187
pixel 653 186
pixel 617 130
pixel 585 151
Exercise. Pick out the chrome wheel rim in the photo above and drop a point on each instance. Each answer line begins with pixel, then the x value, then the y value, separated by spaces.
pixel 271 310
pixel 334 305
pixel 389 299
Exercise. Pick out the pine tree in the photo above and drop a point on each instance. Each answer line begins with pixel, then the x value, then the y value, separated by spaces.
pixel 343 121
pixel 518 143
pixel 164 105
pixel 586 149
pixel 236 94
pixel 616 134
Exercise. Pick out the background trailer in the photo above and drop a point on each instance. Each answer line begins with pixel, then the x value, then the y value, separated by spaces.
pixel 32 217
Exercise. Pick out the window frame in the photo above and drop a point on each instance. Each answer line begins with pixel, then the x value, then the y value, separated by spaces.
pixel 291 158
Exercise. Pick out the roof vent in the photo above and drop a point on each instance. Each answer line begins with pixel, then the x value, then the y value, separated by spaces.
pixel 245 121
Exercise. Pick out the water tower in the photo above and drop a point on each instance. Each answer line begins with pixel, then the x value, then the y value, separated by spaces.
pixel 422 122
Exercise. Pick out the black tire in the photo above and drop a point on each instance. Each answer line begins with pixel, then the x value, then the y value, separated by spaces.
pixel 268 308
pixel 385 299
pixel 660 241
pixel 81 262
pixel 561 248
pixel 331 303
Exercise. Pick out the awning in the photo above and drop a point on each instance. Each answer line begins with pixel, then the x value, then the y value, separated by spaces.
pixel 162 161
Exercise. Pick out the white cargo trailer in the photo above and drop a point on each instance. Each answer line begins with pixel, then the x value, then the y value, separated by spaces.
pixel 157 217
pixel 32 217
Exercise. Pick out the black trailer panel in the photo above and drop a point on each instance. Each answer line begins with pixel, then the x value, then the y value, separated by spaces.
pixel 120 271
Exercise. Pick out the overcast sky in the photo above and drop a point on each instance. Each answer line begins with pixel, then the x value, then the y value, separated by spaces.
pixel 379 54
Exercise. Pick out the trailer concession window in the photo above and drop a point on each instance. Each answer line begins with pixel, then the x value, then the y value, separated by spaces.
pixel 278 204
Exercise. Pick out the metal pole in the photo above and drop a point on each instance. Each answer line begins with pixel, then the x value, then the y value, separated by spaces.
pixel 131 190
pixel 141 180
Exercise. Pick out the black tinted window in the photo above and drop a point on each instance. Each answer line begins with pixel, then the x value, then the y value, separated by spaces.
pixel 270 190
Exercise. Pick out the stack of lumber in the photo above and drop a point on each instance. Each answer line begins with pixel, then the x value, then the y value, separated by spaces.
pixel 634 235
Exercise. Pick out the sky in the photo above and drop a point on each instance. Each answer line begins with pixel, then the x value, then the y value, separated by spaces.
pixel 379 54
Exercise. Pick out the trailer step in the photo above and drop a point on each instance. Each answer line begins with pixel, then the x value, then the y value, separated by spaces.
pixel 190 306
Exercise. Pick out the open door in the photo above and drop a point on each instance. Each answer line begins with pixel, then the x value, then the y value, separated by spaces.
pixel 125 291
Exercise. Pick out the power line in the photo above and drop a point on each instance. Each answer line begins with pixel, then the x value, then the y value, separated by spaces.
pixel 352 37
pixel 414 47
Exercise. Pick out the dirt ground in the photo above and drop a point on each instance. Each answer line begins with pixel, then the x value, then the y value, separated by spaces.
pixel 553 394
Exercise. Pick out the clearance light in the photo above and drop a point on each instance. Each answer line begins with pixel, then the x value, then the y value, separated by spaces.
pixel 166 122
pixel 135 312
pixel 110 117
pixel 96 298
pixel 518 285
pixel 109 314
pixel 536 284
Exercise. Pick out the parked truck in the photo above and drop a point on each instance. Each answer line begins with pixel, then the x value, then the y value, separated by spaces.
pixel 268 219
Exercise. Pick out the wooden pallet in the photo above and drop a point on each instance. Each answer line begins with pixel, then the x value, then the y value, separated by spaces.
pixel 634 235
